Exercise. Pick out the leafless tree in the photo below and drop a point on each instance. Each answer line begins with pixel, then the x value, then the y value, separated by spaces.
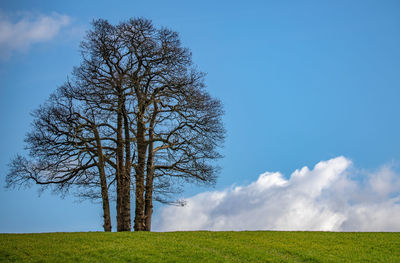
pixel 151 121
pixel 67 147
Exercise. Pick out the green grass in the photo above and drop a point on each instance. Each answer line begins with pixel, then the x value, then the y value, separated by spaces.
pixel 201 247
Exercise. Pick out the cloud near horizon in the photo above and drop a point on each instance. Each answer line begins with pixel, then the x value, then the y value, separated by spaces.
pixel 27 30
pixel 326 198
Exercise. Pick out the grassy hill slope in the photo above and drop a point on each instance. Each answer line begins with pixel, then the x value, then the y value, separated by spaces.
pixel 201 247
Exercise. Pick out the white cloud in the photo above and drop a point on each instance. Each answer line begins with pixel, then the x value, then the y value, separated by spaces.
pixel 20 34
pixel 325 198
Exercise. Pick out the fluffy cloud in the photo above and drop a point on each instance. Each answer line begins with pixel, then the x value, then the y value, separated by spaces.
pixel 27 30
pixel 325 198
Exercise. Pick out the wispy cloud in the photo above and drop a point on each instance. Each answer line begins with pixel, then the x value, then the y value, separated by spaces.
pixel 324 198
pixel 18 34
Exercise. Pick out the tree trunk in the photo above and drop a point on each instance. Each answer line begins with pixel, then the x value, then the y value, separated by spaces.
pixel 126 179
pixel 141 150
pixel 104 196
pixel 120 166
pixel 103 183
pixel 149 190
pixel 148 210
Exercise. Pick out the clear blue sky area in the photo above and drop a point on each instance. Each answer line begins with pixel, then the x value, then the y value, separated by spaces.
pixel 301 82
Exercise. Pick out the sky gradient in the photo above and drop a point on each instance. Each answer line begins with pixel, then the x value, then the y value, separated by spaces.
pixel 301 82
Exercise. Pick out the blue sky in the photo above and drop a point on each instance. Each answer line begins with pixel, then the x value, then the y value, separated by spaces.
pixel 301 82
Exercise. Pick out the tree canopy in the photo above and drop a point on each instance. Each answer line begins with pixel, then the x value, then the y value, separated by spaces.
pixel 134 116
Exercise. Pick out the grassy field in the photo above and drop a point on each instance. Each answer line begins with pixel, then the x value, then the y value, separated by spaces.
pixel 201 247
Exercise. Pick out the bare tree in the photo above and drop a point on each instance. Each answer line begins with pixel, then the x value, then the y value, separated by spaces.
pixel 140 110
pixel 66 149
pixel 184 138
